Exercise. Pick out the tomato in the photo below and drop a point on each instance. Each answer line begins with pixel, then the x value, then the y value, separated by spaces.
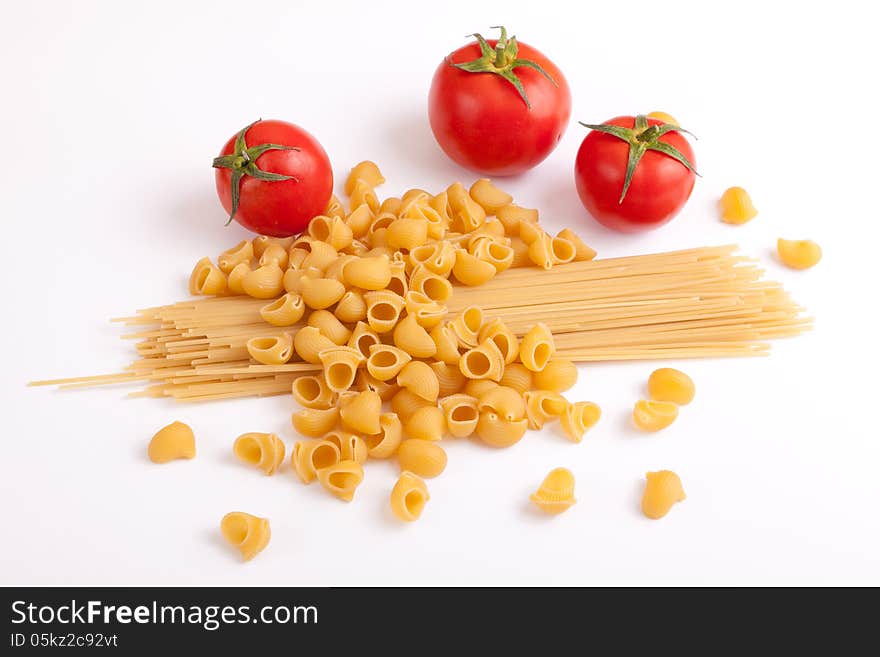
pixel 273 177
pixel 498 107
pixel 660 179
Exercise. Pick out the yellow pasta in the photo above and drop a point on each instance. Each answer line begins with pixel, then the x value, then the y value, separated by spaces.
pixel 541 251
pixel 428 313
pixel 556 493
pixel 320 293
pixel 342 479
pixel 362 193
pixel 351 447
pixel 408 497
pixel 363 339
pixel 332 230
pixel 418 377
pixel 383 310
pixel 405 403
pixel 352 307
pixel 310 457
pixel 246 533
pixel 518 377
pixel 206 278
pixel 311 391
pixel 413 338
pixel 424 458
pixel 483 362
pixel 399 284
pixel 449 378
pixel 563 251
pixel 426 423
pixel 265 282
pixel 360 220
pixel 286 310
pixel 385 389
pixel 309 342
pixel 798 254
pixel 578 418
pixel 499 255
pixel 334 207
pixel 662 490
pixel 321 255
pixel 274 253
pixel 511 215
pixel 477 387
pixel 654 415
pixel 430 284
pixel 367 172
pixel 582 252
pixel 334 269
pixel 340 366
pixel 329 325
pixel 520 253
pixel 407 233
pixel 671 385
pixel 385 361
pixel 470 270
pixel 241 253
pixel 261 450
pixel 446 343
pixel 503 337
pixel 503 401
pixel 537 347
pixel 467 214
pixel 531 232
pixel 271 349
pixel 296 257
pixel 461 414
pixel 559 375
pixel 261 242
pixel 315 422
pixel 385 443
pixel 466 326
pixel 436 257
pixel 361 412
pixel 498 432
pixel 490 198
pixel 369 273
pixel 235 279
pixel 174 441
pixel 542 406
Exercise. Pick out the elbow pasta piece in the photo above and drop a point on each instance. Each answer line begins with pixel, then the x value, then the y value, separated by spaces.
pixel 505 402
pixel 385 443
pixel 385 389
pixel 798 254
pixel 428 313
pixel 351 447
pixel 356 248
pixel 438 258
pixel 369 273
pixel 271 349
pixel 377 238
pixel 503 337
pixel 292 278
pixel 511 215
pixel 430 284
pixel 498 432
pixel 556 493
pixel 266 282
pixel 662 490
pixel 340 367
pixel 466 326
pixel 558 375
pixel 427 423
pixel 490 198
pixel 243 252
pixel 399 284
pixel 563 251
pixel 446 343
pixel 461 415
pixel 578 418
pixel 320 293
pixel 321 255
pixel 537 347
pixel 467 214
pixel 315 422
pixel 418 377
pixel 543 406
pixel 174 441
pixel 470 270
pixel 332 230
pixel 334 207
pixel 246 533
pixel 664 117
pixel 654 415
pixel 366 171
pixel 736 206
pixel 274 253
pixel 363 339
pixel 423 212
pixel 309 342
pixel 342 479
pixel 424 458
pixel 520 253
pixel 413 196
pixel 671 385
pixel 286 310
pixel 352 307
pixel 541 252
pixel 330 326
pixel 477 387
pixel 207 279
pixel 413 338
pixel 483 362
pixel 582 252
pixel 261 242
pixel 335 268
pixel 235 279
pixel 499 255
pixel 362 193
pixel 310 457
pixel 518 377
pixel 383 310
pixel 408 497
pixel 449 378
pixel 311 391
pixel 530 232
pixel 407 233
pixel 361 412
pixel 385 361
pixel 360 220
pixel 296 256
pixel 391 205
pixel 261 450
pixel 405 403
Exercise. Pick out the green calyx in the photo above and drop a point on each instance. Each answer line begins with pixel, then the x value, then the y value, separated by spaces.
pixel 243 162
pixel 502 60
pixel 641 139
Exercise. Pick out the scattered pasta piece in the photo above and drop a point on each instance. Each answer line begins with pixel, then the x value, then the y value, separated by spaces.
pixel 310 457
pixel 342 479
pixel 408 497
pixel 663 116
pixel 662 490
pixel 556 493
pixel 736 206
pixel 175 441
pixel 798 254
pixel 671 385
pixel 423 457
pixel 261 450
pixel 578 418
pixel 654 415
pixel 246 533
pixel 558 375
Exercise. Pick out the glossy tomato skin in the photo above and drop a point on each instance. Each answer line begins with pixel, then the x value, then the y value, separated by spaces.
pixel 280 208
pixel 481 121
pixel 659 188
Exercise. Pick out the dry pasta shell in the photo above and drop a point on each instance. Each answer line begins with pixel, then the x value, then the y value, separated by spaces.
pixel 662 490
pixel 274 253
pixel 342 479
pixel 556 493
pixel 466 326
pixel 470 270
pixel 265 282
pixel 563 250
pixel 235 279
pixel 362 193
pixel 582 252
pixel 542 406
pixel 428 313
pixel 477 387
pixel 385 361
pixel 174 441
pixel 558 375
pixel 332 230
pixel 369 273
pixel 399 283
pixel 520 253
pixel 320 293
pixel 499 255
pixel 461 414
pixel 413 338
pixel 511 215
pixel 383 310
pixel 407 233
pixel 385 443
pixel 506 402
pixel 449 378
pixel 385 389
pixel 503 337
pixel 335 268
pixel 426 423
pixel 271 349
pixel 351 447
pixel 654 415
pixel 483 362
pixel 435 287
pixel 311 391
pixel 446 343
pixel 340 367
pixel 361 412
pixel 334 207
pixel 530 232
pixel 308 457
pixel 352 307
pixel 309 342
pixel 541 252
pixel 366 171
pixel 359 220
pixel 490 198
pixel 261 450
pixel 206 278
pixel 261 242
pixel 498 432
pixel 418 377
pixel 408 497
pixel 243 252
pixel 518 377
pixel 362 338
pixel 246 533
pixel 578 418
pixel 405 403
pixel 424 458
pixel 286 310
pixel 537 347
pixel 314 422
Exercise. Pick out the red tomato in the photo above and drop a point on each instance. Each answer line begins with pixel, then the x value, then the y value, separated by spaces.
pixel 660 183
pixel 480 118
pixel 281 174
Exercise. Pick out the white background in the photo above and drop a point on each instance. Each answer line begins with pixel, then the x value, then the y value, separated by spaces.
pixel 111 115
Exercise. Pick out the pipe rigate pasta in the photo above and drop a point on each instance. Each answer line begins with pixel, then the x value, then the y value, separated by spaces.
pixel 351 447
pixel 446 343
pixel 492 251
pixel 368 273
pixel 352 307
pixel 511 215
pixel 418 377
pixel 361 412
pixel 386 361
pixel 383 310
pixel 466 326
pixel 399 284
pixel 266 282
pixel 582 252
pixel 461 414
pixel 408 497
pixel 426 423
pixel 295 257
pixel 342 479
pixel 543 406
pixel 309 342
pixel 505 402
pixel 261 242
pixel 654 415
pixel 517 376
pixel 320 293
pixel 410 336
pixel 530 232
pixel 360 220
pixel 206 278
pixel 556 493
pixel 385 443
pixel 537 347
pixel 558 375
pixel 437 288
pixel 335 207
pixel 405 403
pixel 332 230
pixel 477 387
pixel 470 270
pixel 671 385
pixel 436 223
pixel 235 279
pixel 579 417
pixel 798 254
pixel 503 337
pixel 334 269
pixel 391 205
pixel 321 255
pixel 437 257
pixel 243 252
pixel 315 422
pixel 174 441
pixel 541 251
pixel 310 457
pixel 274 253
pixel 483 362
pixel 449 378
pixel 286 310
pixel 467 214
pixel 490 198
pixel 494 430
pixel 363 338
pixel 368 172
pixel 311 391
pixel 407 233
pixel 520 253
pixel 563 251
pixel 329 325
pixel 662 490
pixel 340 366
pixel 385 389
pixel 422 457
pixel 428 313
pixel 271 349
pixel 362 193
pixel 261 450
pixel 247 533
